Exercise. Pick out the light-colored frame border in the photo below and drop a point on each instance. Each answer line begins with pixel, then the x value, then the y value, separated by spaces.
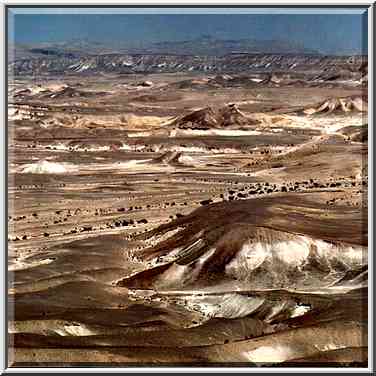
pixel 173 4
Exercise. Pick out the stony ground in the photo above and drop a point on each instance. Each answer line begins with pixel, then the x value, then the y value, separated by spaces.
pixel 165 219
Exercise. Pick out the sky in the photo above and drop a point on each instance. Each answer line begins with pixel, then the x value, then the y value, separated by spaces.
pixel 339 32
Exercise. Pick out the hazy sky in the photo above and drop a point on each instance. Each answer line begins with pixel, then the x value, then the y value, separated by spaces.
pixel 328 33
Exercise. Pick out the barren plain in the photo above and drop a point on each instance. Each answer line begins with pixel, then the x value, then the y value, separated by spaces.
pixel 189 216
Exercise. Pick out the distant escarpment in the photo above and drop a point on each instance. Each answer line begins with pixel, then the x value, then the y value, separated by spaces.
pixel 167 63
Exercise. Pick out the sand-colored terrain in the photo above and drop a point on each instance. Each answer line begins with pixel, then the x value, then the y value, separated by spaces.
pixel 188 219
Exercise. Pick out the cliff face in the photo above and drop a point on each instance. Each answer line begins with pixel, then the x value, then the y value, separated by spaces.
pixel 164 63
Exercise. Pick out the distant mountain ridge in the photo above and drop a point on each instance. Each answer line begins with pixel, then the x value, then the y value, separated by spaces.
pixel 207 45
pixel 170 63
pixel 203 46
pixel 204 54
